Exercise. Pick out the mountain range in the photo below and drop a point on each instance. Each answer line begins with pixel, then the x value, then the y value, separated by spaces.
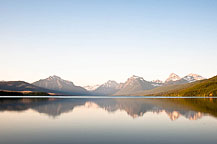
pixel 175 79
pixel 134 85
pixel 200 88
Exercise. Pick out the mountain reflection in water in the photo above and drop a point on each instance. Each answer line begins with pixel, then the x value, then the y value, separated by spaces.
pixel 191 109
pixel 108 121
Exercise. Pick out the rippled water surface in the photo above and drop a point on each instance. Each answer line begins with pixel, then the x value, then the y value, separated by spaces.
pixel 108 120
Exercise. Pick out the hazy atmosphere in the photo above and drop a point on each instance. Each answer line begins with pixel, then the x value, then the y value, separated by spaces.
pixel 108 71
pixel 90 42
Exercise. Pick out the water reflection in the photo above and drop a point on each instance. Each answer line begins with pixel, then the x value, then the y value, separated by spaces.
pixel 106 121
pixel 192 109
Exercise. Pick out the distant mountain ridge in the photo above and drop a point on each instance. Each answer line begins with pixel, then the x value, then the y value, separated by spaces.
pixel 108 88
pixel 175 79
pixel 193 77
pixel 21 86
pixel 206 87
pixel 91 88
pixel 134 85
pixel 157 83
pixel 58 84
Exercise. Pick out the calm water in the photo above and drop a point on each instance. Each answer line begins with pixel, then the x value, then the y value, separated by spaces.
pixel 110 120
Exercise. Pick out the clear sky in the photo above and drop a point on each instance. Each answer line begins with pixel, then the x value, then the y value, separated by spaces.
pixel 92 41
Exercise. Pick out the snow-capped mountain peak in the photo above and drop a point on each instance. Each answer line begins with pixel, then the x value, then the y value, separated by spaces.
pixel 193 77
pixel 91 88
pixel 196 76
pixel 173 77
pixel 157 81
pixel 111 84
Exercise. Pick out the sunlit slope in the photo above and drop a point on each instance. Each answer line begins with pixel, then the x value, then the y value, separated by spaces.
pixel 164 89
pixel 200 88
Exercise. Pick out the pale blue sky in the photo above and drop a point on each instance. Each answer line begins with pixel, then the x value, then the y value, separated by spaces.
pixel 92 41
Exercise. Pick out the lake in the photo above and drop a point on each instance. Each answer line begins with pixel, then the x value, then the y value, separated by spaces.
pixel 106 120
